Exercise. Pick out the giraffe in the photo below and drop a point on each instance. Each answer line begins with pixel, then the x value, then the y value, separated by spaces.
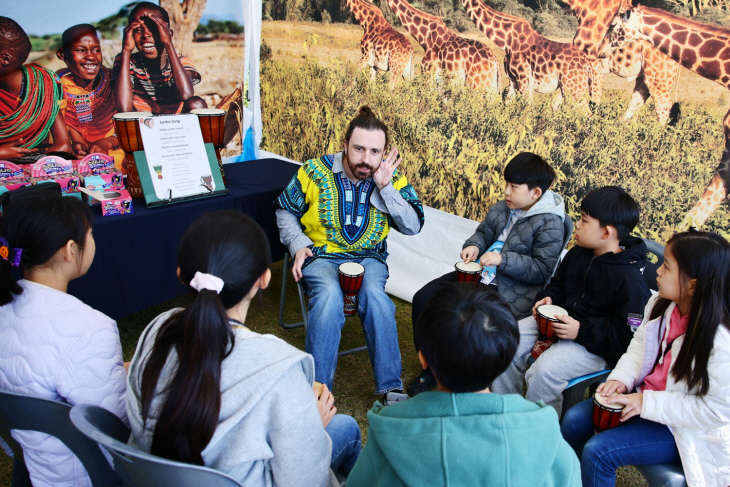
pixel 656 76
pixel 704 49
pixel 468 59
pixel 655 73
pixel 382 46
pixel 535 63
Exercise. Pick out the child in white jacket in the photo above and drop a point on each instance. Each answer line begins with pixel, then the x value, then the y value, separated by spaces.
pixel 678 365
pixel 51 344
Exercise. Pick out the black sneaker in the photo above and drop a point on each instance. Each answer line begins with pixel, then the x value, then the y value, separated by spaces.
pixel 425 381
pixel 392 397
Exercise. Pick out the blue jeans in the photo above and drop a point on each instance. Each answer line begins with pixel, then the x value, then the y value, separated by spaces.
pixel 345 435
pixel 326 319
pixel 638 441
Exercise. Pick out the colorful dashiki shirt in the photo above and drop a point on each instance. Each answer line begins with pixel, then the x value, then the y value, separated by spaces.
pixel 337 215
pixel 158 87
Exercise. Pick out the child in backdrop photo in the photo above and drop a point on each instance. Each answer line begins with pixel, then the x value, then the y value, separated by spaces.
pixel 51 344
pixel 518 244
pixel 88 98
pixel 155 78
pixel 674 379
pixel 205 389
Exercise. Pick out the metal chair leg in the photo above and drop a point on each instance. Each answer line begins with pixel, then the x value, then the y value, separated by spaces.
pixel 283 298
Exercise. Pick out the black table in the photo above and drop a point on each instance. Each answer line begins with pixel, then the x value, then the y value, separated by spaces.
pixel 135 264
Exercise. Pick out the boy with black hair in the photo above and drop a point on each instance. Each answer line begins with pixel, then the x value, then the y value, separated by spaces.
pixel 518 244
pixel 155 78
pixel 462 434
pixel 600 284
pixel 30 97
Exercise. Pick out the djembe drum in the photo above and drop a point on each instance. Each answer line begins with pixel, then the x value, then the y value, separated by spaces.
pixel 606 415
pixel 545 330
pixel 468 271
pixel 351 274
pixel 130 140
pixel 213 124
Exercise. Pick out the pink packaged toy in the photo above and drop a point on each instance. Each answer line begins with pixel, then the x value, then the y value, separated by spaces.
pixel 119 205
pixel 56 169
pixel 12 176
pixel 96 164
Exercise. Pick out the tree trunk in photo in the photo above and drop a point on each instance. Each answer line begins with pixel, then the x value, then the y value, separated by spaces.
pixel 184 18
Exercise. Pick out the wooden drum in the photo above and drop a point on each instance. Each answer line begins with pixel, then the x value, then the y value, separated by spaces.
pixel 606 415
pixel 545 319
pixel 213 125
pixel 351 274
pixel 468 271
pixel 130 140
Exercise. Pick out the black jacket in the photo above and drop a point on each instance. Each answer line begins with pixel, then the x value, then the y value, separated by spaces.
pixel 601 293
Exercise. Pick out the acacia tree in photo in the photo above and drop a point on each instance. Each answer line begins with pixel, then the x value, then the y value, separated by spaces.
pixel 185 16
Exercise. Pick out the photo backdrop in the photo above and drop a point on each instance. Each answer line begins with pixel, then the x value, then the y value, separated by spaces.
pixel 455 139
pixel 209 32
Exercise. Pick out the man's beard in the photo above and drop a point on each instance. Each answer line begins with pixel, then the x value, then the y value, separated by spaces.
pixel 354 169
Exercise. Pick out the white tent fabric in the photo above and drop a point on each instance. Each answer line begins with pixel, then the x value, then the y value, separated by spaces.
pixel 252 10
pixel 416 260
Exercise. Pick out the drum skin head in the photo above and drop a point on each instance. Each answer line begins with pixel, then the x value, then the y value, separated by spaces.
pixel 352 269
pixel 208 111
pixel 131 115
pixel 469 266
pixel 549 311
pixel 606 403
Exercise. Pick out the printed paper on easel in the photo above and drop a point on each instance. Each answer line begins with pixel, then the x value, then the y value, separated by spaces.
pixel 176 156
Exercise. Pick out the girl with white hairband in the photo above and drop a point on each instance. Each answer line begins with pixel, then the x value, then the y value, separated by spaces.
pixel 205 389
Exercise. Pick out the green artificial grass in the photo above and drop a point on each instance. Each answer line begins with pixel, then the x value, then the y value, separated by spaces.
pixel 354 388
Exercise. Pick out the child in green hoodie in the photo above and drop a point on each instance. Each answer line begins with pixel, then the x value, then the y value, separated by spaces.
pixel 461 434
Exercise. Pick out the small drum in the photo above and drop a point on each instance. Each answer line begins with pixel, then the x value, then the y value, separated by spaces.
pixel 351 274
pixel 545 319
pixel 606 415
pixel 130 140
pixel 212 123
pixel 468 271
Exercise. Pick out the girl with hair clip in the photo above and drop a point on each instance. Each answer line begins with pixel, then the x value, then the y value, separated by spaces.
pixel 678 365
pixel 51 344
pixel 205 389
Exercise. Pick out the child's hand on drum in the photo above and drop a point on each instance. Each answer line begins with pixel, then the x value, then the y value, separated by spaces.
pixel 632 402
pixel 611 386
pixel 567 328
pixel 325 405
pixel 545 300
pixel 470 253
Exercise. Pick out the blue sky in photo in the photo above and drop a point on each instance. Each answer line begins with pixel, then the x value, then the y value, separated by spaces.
pixel 40 17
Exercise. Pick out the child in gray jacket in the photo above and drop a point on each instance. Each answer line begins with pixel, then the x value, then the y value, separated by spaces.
pixel 518 244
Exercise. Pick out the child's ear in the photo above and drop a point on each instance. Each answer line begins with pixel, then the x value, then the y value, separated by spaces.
pixel 59 54
pixel 608 232
pixel 6 59
pixel 265 279
pixel 691 285
pixel 422 359
pixel 70 251
pixel 536 192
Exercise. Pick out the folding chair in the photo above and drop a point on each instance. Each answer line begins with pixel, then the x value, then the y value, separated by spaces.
pixel 24 412
pixel 302 304
pixel 138 468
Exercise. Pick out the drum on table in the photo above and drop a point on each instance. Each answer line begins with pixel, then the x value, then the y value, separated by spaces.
pixel 212 124
pixel 126 125
pixel 468 271
pixel 351 274
pixel 606 414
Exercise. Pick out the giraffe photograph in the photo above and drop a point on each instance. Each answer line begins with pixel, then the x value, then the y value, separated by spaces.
pixel 467 85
